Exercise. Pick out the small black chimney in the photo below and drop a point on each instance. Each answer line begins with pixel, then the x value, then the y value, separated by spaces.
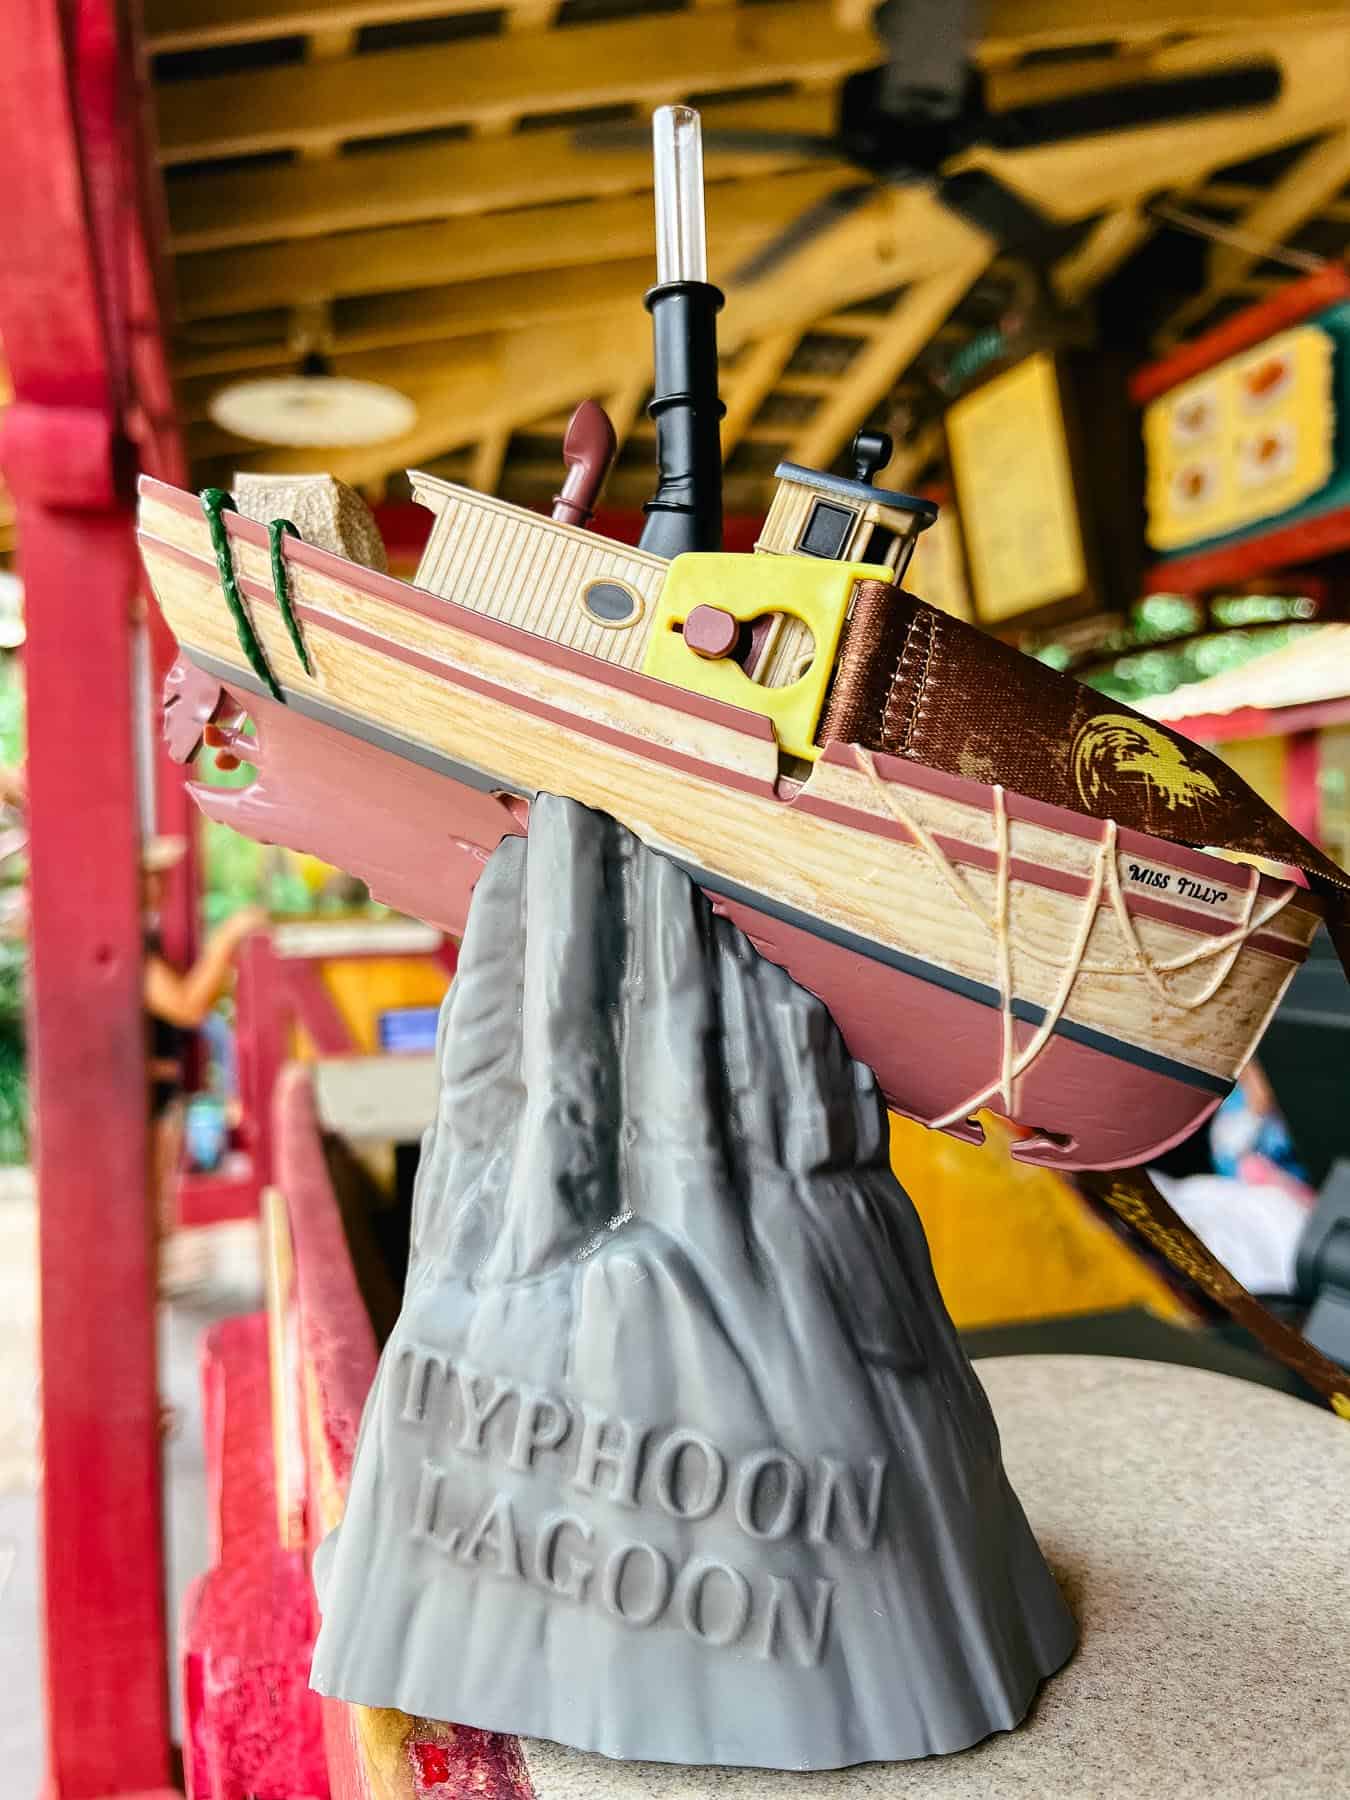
pixel 686 511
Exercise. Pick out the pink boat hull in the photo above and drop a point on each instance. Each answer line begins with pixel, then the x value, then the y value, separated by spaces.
pixel 419 838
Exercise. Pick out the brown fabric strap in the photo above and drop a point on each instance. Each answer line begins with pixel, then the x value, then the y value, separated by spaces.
pixel 1131 1196
pixel 869 658
pixel 914 682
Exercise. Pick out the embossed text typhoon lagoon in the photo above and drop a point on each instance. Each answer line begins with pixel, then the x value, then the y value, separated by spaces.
pixel 593 1470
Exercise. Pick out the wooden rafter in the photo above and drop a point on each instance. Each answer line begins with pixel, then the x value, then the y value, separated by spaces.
pixel 1086 176
pixel 741 215
pixel 403 183
pixel 624 405
pixel 433 198
pixel 210 24
pixel 875 370
pixel 911 459
pixel 430 87
pixel 754 379
pixel 486 468
pixel 1115 237
pixel 431 315
pixel 1317 177
pixel 1016 26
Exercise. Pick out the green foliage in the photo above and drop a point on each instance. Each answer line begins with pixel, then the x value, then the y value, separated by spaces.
pixel 13 1071
pixel 1160 670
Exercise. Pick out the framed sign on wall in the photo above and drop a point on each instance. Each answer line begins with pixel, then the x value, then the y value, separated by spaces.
pixel 1046 470
pixel 1247 430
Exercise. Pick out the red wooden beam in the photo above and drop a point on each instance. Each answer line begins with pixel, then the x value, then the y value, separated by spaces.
pixel 1263 721
pixel 1303 783
pixel 1226 567
pixel 263 1024
pixel 315 1008
pixel 154 425
pixel 338 1351
pixel 105 1643
pixel 337 1338
pixel 251 1723
pixel 1253 325
pixel 67 219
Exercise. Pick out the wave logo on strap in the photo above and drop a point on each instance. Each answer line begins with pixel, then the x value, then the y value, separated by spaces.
pixel 1114 752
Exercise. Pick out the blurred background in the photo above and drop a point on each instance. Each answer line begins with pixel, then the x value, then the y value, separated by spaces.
pixel 1085 266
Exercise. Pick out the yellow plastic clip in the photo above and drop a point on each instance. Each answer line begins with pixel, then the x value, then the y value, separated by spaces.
pixel 811 589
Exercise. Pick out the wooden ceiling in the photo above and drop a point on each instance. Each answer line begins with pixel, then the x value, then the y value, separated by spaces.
pixel 398 180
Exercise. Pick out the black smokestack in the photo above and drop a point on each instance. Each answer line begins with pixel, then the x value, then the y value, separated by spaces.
pixel 686 510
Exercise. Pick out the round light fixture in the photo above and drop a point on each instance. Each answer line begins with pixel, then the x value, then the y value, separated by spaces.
pixel 313 407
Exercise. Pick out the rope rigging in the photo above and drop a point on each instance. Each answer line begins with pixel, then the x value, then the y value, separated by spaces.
pixel 1103 877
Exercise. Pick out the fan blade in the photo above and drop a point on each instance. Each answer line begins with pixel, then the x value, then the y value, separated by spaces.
pixel 803 230
pixel 1015 223
pixel 810 145
pixel 1098 111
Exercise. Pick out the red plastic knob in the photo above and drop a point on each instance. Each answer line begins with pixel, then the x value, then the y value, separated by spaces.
pixel 710 632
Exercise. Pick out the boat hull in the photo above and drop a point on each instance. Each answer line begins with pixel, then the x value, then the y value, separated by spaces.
pixel 1100 988
pixel 419 838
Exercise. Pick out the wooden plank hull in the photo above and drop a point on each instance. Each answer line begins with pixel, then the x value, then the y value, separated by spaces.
pixel 417 742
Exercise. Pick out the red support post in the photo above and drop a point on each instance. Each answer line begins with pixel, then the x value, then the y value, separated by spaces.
pixel 70 223
pixel 1303 783
pixel 107 1701
pixel 262 1026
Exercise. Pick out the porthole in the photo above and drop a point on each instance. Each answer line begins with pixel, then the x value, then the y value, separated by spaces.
pixel 611 603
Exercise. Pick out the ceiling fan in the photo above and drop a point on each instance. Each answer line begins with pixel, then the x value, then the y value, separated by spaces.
pixel 901 121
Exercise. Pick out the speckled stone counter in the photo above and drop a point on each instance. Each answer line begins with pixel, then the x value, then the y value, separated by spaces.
pixel 1200 1527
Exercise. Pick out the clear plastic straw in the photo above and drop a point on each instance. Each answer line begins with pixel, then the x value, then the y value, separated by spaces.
pixel 681 237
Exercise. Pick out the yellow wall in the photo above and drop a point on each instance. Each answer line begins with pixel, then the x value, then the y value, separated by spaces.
pixel 1260 763
pixel 1011 1242
pixel 365 986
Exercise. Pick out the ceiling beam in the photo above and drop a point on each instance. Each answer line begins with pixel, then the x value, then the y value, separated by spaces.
pixel 902 236
pixel 481 80
pixel 407 367
pixel 428 315
pixel 875 370
pixel 1113 240
pixel 524 374
pixel 624 405
pixel 206 24
pixel 521 375
pixel 911 459
pixel 753 379
pixel 1012 25
pixel 405 183
pixel 1020 25
pixel 485 471
pixel 1317 177
pixel 741 215
pixel 1090 175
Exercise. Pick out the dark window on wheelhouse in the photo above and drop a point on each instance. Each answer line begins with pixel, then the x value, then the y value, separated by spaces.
pixel 827 529
pixel 880 544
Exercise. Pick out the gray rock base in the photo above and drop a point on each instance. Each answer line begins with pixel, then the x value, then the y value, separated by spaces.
pixel 1210 1580
pixel 673 1454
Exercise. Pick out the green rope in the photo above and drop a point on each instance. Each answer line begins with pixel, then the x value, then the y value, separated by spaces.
pixel 281 586
pixel 215 503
